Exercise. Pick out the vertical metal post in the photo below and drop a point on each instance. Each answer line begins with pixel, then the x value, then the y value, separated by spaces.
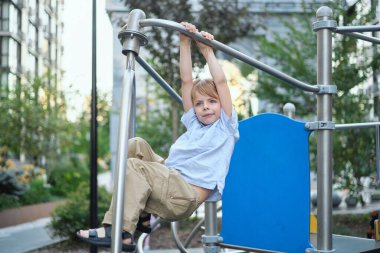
pixel 133 116
pixel 324 141
pixel 131 39
pixel 211 237
pixel 94 135
pixel 210 218
pixel 378 153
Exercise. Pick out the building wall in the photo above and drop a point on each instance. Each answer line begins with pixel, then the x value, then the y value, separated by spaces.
pixel 30 40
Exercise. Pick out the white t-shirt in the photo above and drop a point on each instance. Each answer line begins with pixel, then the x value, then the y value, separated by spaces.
pixel 202 154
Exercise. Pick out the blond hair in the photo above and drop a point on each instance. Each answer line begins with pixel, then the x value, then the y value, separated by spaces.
pixel 205 87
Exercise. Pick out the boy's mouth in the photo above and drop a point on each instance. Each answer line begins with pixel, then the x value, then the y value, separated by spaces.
pixel 207 115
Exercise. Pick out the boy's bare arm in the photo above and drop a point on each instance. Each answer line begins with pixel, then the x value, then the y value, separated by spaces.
pixel 217 75
pixel 185 66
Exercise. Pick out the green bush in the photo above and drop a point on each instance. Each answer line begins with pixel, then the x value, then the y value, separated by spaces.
pixel 37 193
pixel 351 224
pixel 8 201
pixel 74 214
pixel 65 175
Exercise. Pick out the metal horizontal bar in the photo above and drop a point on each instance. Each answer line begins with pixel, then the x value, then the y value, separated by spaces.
pixel 362 37
pixel 232 52
pixel 357 125
pixel 159 79
pixel 230 246
pixel 360 28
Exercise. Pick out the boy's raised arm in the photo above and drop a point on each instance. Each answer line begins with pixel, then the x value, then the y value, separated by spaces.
pixel 185 66
pixel 217 74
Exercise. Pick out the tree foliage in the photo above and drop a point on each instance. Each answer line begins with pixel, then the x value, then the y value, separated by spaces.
pixel 295 54
pixel 33 115
pixel 80 129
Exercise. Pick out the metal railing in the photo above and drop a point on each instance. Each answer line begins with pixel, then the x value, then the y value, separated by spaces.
pixel 132 38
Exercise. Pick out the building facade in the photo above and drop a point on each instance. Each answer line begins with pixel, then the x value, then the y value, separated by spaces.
pixel 30 40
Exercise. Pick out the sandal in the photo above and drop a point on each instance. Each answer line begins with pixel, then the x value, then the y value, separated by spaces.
pixel 140 224
pixel 106 241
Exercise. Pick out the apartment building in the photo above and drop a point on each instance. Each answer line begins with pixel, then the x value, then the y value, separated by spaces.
pixel 30 40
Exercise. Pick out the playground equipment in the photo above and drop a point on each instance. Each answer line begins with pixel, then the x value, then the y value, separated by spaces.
pixel 255 236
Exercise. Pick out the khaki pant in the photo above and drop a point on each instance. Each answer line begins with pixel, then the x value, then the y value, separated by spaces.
pixel 153 188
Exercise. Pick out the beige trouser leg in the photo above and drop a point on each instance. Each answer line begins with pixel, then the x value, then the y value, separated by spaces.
pixel 153 188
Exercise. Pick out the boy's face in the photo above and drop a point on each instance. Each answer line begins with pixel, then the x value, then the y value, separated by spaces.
pixel 206 108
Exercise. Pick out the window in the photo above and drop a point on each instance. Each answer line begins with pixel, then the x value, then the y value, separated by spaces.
pixel 4 51
pixel 32 63
pixel 12 80
pixel 4 83
pixel 32 37
pixel 14 51
pixel 4 16
pixel 14 19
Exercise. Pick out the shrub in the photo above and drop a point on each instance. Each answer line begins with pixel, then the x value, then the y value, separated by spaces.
pixel 65 175
pixel 75 214
pixel 8 201
pixel 37 193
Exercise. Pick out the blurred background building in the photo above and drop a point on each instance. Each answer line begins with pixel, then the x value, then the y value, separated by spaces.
pixel 30 40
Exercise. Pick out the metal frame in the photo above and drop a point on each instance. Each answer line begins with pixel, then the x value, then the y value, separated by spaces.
pixel 132 38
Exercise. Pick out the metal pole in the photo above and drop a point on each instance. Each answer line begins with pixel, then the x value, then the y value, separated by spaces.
pixel 159 80
pixel 131 39
pixel 357 125
pixel 228 50
pixel 362 37
pixel 361 28
pixel 324 142
pixel 132 132
pixel 210 218
pixel 174 229
pixel 211 238
pixel 378 153
pixel 94 135
pixel 121 159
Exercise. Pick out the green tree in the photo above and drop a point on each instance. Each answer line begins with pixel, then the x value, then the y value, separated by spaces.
pixel 225 19
pixel 295 54
pixel 33 116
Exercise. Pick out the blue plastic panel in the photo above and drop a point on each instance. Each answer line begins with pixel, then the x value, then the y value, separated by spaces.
pixel 266 202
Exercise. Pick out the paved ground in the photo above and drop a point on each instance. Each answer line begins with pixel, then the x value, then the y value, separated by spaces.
pixel 25 237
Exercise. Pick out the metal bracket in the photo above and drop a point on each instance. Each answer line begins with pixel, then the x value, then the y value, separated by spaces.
pixel 320 125
pixel 124 34
pixel 211 239
pixel 327 89
pixel 311 250
pixel 324 24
